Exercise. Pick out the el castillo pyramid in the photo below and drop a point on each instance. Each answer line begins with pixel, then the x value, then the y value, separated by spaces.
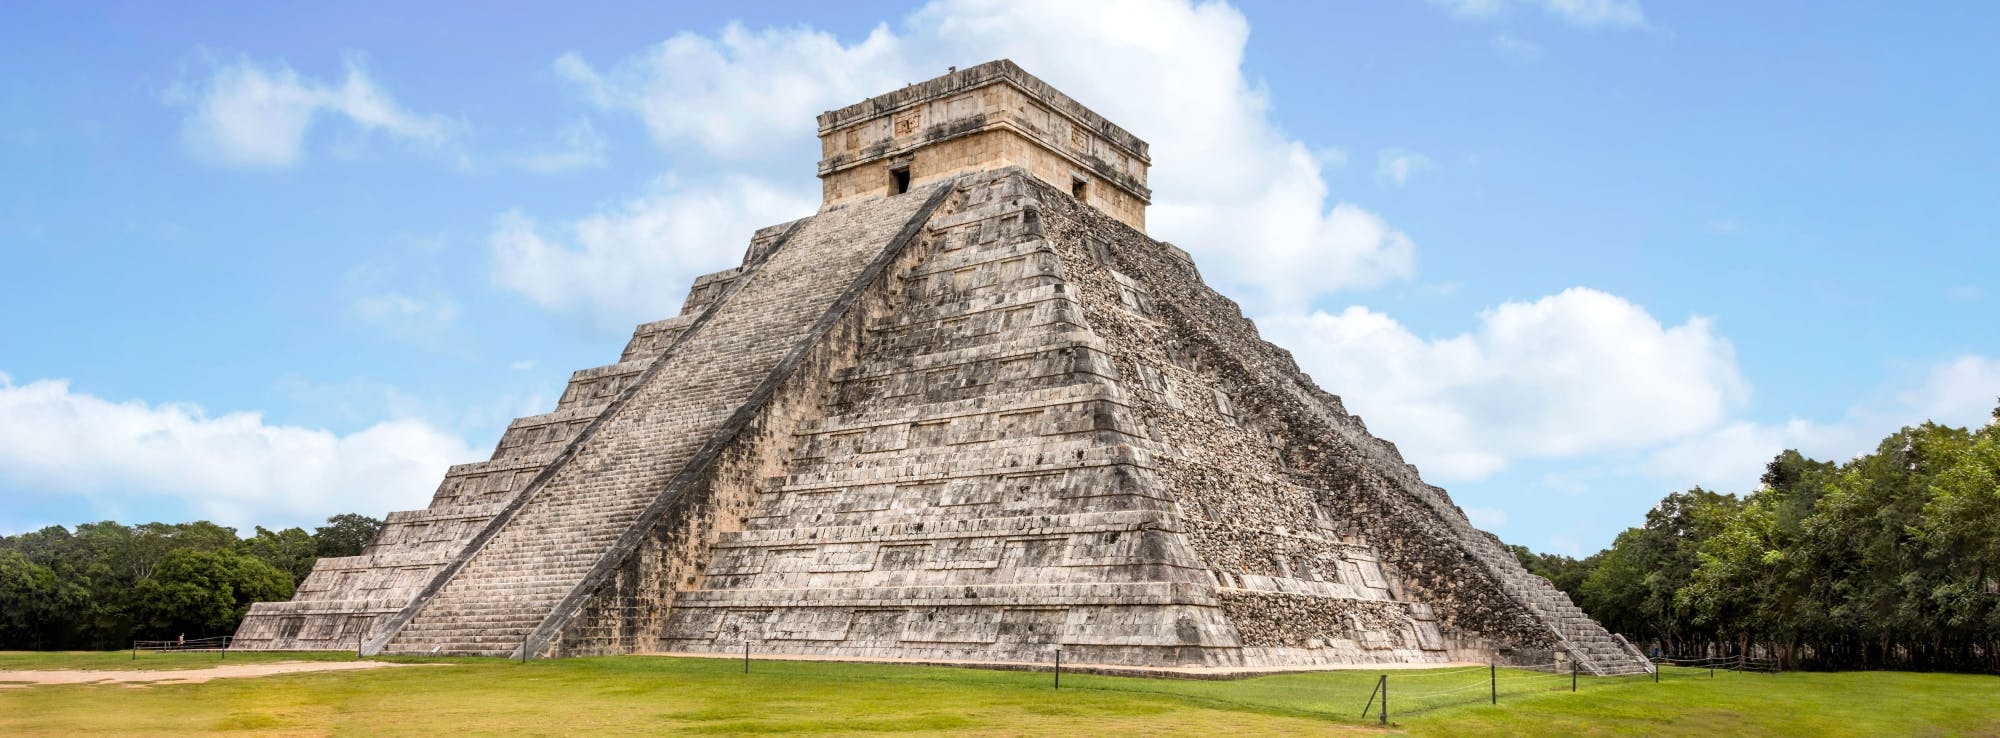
pixel 968 411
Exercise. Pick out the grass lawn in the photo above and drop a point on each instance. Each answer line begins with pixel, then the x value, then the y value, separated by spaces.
pixel 639 694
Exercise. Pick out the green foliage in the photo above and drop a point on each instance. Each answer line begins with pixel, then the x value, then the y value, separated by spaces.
pixel 104 584
pixel 346 535
pixel 201 592
pixel 1566 572
pixel 1891 559
pixel 291 551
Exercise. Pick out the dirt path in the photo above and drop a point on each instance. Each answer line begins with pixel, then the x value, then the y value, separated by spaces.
pixel 20 679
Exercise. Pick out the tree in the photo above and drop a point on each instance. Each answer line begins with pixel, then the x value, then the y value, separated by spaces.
pixel 205 592
pixel 33 601
pixel 291 550
pixel 346 535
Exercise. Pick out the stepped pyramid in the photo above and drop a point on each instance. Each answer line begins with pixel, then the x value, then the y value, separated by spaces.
pixel 968 411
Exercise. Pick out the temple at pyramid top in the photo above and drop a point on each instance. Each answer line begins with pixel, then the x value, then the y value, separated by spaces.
pixel 986 117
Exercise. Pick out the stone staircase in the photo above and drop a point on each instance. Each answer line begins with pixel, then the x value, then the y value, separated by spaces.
pixel 533 558
pixel 1595 649
pixel 972 492
pixel 345 600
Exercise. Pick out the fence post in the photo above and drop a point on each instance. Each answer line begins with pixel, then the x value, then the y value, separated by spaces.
pixel 1493 678
pixel 1572 675
pixel 1657 667
pixel 746 655
pixel 1058 668
pixel 135 650
pixel 1385 699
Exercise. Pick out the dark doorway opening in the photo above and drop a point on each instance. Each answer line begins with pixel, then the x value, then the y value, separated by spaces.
pixel 1079 189
pixel 899 180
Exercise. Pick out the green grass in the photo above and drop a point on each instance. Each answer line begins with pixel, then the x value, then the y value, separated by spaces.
pixel 656 695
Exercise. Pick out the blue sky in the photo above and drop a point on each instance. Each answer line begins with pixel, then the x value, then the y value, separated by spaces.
pixel 268 264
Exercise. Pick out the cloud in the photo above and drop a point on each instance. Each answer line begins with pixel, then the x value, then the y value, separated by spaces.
pixel 736 93
pixel 252 114
pixel 1621 14
pixel 234 469
pixel 1566 546
pixel 1515 47
pixel 1598 13
pixel 1470 8
pixel 578 146
pixel 1487 518
pixel 632 263
pixel 421 320
pixel 1573 373
pixel 1959 392
pixel 393 307
pixel 1250 203
pixel 1396 166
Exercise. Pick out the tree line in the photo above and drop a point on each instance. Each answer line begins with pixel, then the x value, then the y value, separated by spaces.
pixel 1888 560
pixel 105 584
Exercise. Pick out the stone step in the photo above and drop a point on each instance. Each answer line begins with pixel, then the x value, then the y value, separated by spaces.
pixel 753 320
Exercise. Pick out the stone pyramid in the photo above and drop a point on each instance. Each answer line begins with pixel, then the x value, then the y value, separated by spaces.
pixel 968 411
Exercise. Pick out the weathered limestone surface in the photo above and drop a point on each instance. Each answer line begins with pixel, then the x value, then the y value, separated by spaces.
pixel 978 420
pixel 984 118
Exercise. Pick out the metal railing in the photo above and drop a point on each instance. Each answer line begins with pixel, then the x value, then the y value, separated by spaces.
pixel 214 644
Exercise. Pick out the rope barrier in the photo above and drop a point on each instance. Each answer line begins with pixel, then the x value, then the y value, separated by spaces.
pixel 1429 674
pixel 1439 692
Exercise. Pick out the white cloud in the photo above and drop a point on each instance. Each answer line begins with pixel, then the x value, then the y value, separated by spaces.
pixel 421 320
pixel 234 469
pixel 578 146
pixel 252 114
pixel 1960 392
pixel 1487 518
pixel 1251 204
pixel 1581 13
pixel 1396 166
pixel 1515 47
pixel 1566 546
pixel 1470 8
pixel 1731 457
pixel 1598 13
pixel 736 93
pixel 1574 373
pixel 400 308
pixel 633 263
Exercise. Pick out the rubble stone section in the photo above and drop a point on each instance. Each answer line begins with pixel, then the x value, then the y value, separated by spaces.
pixel 979 420
pixel 1326 546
